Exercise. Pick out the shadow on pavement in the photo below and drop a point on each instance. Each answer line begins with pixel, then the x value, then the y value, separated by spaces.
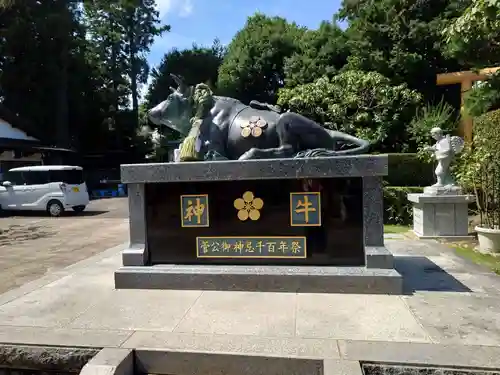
pixel 85 213
pixel 68 213
pixel 421 274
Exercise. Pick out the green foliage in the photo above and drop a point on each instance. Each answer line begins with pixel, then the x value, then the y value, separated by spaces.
pixel 441 115
pixel 364 104
pixel 35 79
pixel 475 36
pixel 409 170
pixel 479 168
pixel 77 66
pixel 401 39
pixel 254 65
pixel 121 32
pixel 321 52
pixel 484 96
pixel 397 208
pixel 195 65
pixel 76 74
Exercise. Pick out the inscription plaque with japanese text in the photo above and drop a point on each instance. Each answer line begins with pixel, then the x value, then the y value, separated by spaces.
pixel 251 247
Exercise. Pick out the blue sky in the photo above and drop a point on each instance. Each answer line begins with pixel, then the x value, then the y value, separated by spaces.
pixel 201 21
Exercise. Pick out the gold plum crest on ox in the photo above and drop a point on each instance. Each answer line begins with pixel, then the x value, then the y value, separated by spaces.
pixel 255 127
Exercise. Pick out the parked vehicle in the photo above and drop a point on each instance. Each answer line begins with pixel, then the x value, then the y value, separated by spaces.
pixel 51 188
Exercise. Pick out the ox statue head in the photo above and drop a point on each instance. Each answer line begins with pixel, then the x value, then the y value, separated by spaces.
pixel 175 112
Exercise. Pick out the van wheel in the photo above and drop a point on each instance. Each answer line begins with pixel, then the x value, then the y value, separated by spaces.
pixel 55 208
pixel 78 209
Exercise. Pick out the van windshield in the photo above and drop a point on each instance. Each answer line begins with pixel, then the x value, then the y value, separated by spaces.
pixel 70 177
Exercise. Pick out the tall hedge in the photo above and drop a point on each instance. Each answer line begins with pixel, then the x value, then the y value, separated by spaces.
pixel 408 170
pixel 397 208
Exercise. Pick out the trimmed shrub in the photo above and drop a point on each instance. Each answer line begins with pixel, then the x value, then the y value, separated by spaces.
pixel 397 208
pixel 409 170
pixel 479 168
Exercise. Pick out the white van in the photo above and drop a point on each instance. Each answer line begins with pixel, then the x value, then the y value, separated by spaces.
pixel 51 188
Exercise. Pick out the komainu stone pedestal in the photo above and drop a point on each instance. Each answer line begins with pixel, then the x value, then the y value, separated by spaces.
pixel 441 212
pixel 285 225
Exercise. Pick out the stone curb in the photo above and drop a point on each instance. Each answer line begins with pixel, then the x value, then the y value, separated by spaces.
pixel 111 361
pixel 46 358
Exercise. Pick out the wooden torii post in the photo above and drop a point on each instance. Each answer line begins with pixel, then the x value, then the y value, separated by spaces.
pixel 466 80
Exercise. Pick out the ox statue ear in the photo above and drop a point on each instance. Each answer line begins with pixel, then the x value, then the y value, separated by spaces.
pixel 182 87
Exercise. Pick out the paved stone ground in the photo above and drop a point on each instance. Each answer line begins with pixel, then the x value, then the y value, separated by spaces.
pixel 33 244
pixel 449 301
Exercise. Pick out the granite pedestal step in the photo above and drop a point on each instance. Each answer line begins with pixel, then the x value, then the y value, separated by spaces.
pixel 293 279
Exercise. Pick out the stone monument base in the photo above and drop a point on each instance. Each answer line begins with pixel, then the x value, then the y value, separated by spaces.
pixel 274 225
pixel 377 277
pixel 441 212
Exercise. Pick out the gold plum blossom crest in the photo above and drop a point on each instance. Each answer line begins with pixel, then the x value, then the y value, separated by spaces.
pixel 248 206
pixel 255 127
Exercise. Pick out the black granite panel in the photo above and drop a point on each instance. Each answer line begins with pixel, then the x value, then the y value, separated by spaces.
pixel 337 241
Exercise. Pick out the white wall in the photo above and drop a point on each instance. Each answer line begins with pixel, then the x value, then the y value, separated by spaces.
pixel 8 131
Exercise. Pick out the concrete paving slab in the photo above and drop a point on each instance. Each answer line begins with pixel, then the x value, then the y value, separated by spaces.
pixel 488 284
pixel 290 346
pixel 87 266
pixel 393 236
pixel 422 274
pixel 357 317
pixel 138 310
pixel 452 302
pixel 341 367
pixel 454 319
pixel 420 354
pixel 62 337
pixel 421 247
pixel 242 313
pixel 56 304
pixel 33 244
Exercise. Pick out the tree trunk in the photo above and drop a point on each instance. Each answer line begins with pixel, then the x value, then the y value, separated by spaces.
pixel 115 76
pixel 133 69
pixel 62 96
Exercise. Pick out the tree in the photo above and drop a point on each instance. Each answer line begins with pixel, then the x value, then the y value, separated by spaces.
pixel 141 26
pixel 401 39
pixel 474 37
pixel 122 33
pixel 35 74
pixel 367 105
pixel 254 64
pixel 195 65
pixel 71 77
pixel 321 52
pixel 107 45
